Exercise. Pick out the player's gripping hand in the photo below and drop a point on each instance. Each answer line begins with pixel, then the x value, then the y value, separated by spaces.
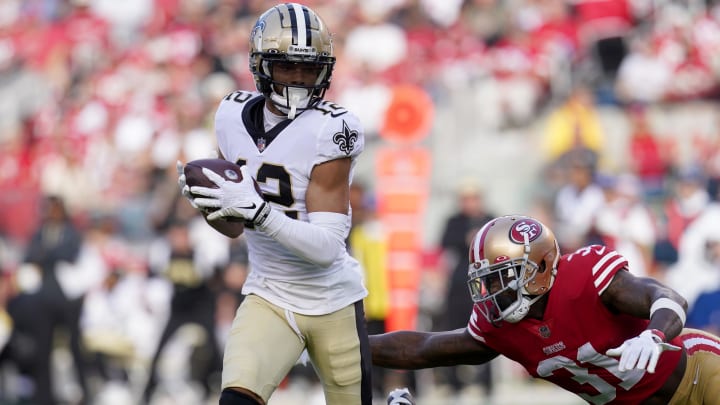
pixel 231 199
pixel 641 352
pixel 182 182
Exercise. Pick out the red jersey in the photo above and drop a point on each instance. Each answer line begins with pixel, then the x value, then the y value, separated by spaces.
pixel 568 346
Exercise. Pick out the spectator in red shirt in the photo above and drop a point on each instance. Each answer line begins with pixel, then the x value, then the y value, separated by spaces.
pixel 647 158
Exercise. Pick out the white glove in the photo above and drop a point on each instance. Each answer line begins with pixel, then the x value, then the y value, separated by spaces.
pixel 232 199
pixel 182 182
pixel 641 351
pixel 400 396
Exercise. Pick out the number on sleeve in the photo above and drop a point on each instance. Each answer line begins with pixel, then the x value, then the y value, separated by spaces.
pixel 239 96
pixel 584 251
pixel 333 109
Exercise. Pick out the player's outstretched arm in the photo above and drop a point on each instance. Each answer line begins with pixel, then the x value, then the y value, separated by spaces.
pixel 411 350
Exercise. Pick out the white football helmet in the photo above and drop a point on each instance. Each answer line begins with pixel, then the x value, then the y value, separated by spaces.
pixel 294 33
pixel 513 262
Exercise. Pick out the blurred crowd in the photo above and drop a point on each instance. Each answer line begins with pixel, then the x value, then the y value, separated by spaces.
pixel 100 98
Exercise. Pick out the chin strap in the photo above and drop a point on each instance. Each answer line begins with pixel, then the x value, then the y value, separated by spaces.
pixel 295 97
pixel 292 100
pixel 521 310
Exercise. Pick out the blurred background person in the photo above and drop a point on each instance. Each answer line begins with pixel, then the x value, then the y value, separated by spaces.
pixel 18 357
pixel 191 317
pixel 687 200
pixel 368 243
pixel 696 271
pixel 647 154
pixel 56 242
pixel 123 311
pixel 642 77
pixel 705 310
pixel 625 223
pixel 460 227
pixel 574 125
pixel 229 289
pixel 577 201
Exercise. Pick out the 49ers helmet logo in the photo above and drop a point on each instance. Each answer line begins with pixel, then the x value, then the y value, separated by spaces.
pixel 528 227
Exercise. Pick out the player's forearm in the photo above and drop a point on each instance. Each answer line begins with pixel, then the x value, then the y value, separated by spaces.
pixel 399 350
pixel 320 241
pixel 230 228
pixel 668 313
pixel 413 350
pixel 645 297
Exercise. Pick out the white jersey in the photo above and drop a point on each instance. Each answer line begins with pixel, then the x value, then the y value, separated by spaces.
pixel 282 160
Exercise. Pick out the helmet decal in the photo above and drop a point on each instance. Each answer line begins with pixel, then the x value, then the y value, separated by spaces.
pixel 230 174
pixel 502 258
pixel 257 34
pixel 525 227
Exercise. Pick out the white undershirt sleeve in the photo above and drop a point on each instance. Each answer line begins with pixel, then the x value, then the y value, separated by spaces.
pixel 320 241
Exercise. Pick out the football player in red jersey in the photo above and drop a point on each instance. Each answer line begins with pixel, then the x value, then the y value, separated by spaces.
pixel 581 321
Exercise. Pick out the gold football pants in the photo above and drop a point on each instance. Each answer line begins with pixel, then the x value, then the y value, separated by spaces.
pixel 266 341
pixel 700 384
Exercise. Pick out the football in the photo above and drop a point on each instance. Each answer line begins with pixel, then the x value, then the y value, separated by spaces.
pixel 195 177
pixel 231 227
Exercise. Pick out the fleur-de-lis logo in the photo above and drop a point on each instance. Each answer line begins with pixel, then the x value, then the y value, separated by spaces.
pixel 346 139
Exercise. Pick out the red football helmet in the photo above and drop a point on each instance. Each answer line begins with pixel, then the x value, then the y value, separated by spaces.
pixel 513 262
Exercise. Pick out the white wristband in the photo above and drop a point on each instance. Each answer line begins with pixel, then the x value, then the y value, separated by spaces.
pixel 667 303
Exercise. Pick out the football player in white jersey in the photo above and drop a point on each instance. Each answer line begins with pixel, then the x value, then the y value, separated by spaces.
pixel 304 292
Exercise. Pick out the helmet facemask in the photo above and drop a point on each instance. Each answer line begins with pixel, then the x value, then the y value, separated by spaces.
pixel 291 34
pixel 524 255
pixel 288 97
pixel 499 289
